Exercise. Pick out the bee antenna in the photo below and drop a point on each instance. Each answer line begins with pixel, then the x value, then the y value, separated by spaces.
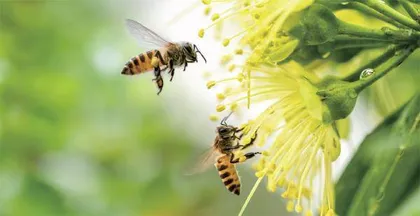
pixel 223 122
pixel 198 51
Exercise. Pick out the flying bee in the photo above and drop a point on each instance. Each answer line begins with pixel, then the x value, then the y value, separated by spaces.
pixel 225 143
pixel 165 55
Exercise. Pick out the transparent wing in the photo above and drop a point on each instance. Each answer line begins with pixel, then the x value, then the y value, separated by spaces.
pixel 143 35
pixel 206 160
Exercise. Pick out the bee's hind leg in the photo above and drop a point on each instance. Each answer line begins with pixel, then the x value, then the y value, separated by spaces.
pixel 158 79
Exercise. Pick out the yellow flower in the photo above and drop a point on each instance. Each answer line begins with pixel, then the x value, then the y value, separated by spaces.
pixel 301 144
pixel 265 24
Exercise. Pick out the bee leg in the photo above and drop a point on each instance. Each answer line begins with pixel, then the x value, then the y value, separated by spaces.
pixel 158 79
pixel 159 83
pixel 251 142
pixel 158 55
pixel 185 65
pixel 171 69
pixel 248 155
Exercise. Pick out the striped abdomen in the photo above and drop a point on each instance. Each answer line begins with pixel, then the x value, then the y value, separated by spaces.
pixel 228 174
pixel 141 63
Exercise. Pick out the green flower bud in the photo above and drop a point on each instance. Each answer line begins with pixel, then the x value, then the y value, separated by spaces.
pixel 338 98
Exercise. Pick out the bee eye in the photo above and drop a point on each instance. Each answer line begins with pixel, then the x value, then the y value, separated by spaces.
pixel 223 130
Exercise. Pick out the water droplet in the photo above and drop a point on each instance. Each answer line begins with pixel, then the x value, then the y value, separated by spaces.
pixel 367 73
pixel 352 94
pixel 326 55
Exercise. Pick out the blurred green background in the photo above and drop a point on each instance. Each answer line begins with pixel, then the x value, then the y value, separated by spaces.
pixel 77 138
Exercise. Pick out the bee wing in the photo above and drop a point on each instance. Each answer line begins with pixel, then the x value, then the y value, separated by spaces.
pixel 144 36
pixel 205 161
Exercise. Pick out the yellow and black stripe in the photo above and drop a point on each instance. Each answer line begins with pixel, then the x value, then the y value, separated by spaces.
pixel 140 63
pixel 228 174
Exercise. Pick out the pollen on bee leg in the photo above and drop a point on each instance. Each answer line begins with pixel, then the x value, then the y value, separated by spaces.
pixel 155 62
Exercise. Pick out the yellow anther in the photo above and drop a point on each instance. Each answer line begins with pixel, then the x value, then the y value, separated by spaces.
pixel 213 117
pixel 220 96
pixel 330 212
pixel 281 182
pixel 239 51
pixel 290 206
pixel 308 213
pixel 298 208
pixel 260 174
pixel 220 107
pixel 201 33
pixel 266 153
pixel 210 84
pixel 206 74
pixel 206 2
pixel 226 42
pixel 234 106
pixel 225 59
pixel 271 187
pixel 240 77
pixel 215 17
pixel 207 11
pixel 231 67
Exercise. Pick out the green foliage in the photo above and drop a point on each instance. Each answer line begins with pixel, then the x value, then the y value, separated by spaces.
pixel 384 171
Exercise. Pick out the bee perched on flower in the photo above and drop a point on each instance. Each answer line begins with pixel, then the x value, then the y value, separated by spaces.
pixel 284 42
pixel 302 144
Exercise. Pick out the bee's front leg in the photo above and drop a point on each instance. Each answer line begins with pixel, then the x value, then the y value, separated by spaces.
pixel 251 142
pixel 246 156
pixel 185 65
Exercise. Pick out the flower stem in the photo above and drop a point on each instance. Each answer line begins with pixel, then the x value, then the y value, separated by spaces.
pixel 354 76
pixel 383 8
pixel 385 34
pixel 411 10
pixel 257 183
pixel 367 10
pixel 399 57
pixel 344 42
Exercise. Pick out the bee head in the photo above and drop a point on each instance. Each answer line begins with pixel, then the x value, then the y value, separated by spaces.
pixel 190 51
pixel 225 131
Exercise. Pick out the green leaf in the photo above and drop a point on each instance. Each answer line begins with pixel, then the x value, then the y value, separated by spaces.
pixel 385 168
pixel 320 25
